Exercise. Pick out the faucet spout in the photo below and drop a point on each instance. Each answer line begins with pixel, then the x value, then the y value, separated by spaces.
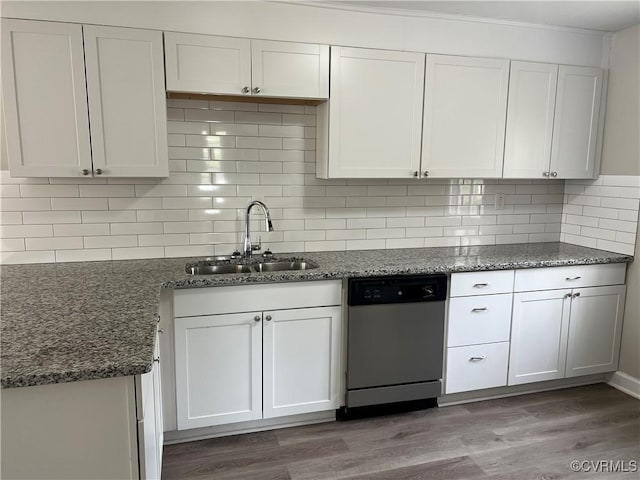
pixel 248 246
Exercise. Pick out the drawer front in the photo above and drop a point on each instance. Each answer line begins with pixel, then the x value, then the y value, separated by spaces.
pixel 189 302
pixel 576 276
pixel 480 319
pixel 477 367
pixel 481 283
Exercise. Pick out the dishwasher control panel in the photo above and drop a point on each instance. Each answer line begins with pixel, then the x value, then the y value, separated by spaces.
pixel 397 289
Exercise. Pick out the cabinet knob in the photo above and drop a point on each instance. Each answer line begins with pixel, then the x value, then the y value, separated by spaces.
pixel 426 173
pixel 268 318
pixel 478 358
pixel 256 318
pixel 98 171
pixel 157 359
pixel 255 90
pixel 85 171
pixel 545 174
pixel 245 90
pixel 160 330
pixel 567 295
pixel 554 174
pixel 415 174
pixel 577 294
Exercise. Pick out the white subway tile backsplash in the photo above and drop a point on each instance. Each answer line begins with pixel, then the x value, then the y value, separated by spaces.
pixel 224 154
pixel 54 243
pixel 50 217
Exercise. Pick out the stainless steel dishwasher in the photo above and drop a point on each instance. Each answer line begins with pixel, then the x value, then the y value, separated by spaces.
pixel 395 339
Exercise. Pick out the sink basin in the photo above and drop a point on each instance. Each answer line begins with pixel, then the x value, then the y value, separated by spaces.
pixel 283 266
pixel 270 266
pixel 216 269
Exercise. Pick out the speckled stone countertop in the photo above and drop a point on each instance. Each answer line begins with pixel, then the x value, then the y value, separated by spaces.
pixel 88 320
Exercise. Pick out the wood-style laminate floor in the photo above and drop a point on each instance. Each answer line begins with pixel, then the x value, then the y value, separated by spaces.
pixel 526 437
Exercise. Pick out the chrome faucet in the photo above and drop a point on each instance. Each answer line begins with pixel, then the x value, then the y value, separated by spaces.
pixel 248 247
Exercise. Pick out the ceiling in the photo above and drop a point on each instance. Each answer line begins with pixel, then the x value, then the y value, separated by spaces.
pixel 608 16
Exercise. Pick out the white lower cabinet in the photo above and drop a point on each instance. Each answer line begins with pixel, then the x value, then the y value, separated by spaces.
pixel 539 336
pixel 595 328
pixel 236 367
pixel 300 352
pixel 218 369
pixel 570 331
pixel 537 325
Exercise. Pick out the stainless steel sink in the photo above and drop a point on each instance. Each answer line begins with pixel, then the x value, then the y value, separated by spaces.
pixel 283 266
pixel 217 268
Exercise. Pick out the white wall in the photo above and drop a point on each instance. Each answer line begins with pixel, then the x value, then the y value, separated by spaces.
pixel 621 155
pixel 278 21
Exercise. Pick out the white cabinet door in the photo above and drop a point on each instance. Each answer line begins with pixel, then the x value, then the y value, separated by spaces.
pixel 465 104
pixel 301 357
pixel 575 127
pixel 539 329
pixel 127 105
pixel 45 99
pixel 375 113
pixel 149 462
pixel 532 98
pixel 218 369
pixel 207 64
pixel 595 326
pixel 285 69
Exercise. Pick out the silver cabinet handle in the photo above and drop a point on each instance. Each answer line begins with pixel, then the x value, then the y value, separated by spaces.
pixel 255 90
pixel 477 358
pixel 415 174
pixel 573 278
pixel 160 330
pixel 426 173
pixel 546 174
pixel 85 171
pixel 268 318
pixel 245 90
pixel 256 318
pixel 554 174
pixel 577 294
pixel 567 295
pixel 98 171
pixel 158 318
pixel 480 285
pixel 157 359
pixel 479 309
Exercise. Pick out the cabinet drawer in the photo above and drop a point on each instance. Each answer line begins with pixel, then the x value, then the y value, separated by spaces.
pixel 574 276
pixel 481 283
pixel 477 367
pixel 479 319
pixel 190 302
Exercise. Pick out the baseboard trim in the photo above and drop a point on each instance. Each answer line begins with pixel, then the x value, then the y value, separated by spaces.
pixel 180 436
pixel 524 389
pixel 625 383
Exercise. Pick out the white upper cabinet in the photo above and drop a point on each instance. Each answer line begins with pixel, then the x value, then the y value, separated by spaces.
pixel 239 66
pixel 283 69
pixel 127 106
pixel 375 114
pixel 44 98
pixel 207 64
pixel 575 128
pixel 532 98
pixel 465 104
pixel 48 74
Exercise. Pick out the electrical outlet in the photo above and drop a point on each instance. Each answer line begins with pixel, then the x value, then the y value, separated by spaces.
pixel 499 201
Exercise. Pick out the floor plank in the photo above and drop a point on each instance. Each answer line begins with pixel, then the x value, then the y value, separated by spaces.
pixel 525 437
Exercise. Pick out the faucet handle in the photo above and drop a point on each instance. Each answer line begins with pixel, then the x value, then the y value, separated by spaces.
pixel 267 254
pixel 235 254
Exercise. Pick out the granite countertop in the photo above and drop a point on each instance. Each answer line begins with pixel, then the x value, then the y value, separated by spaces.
pixel 80 321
